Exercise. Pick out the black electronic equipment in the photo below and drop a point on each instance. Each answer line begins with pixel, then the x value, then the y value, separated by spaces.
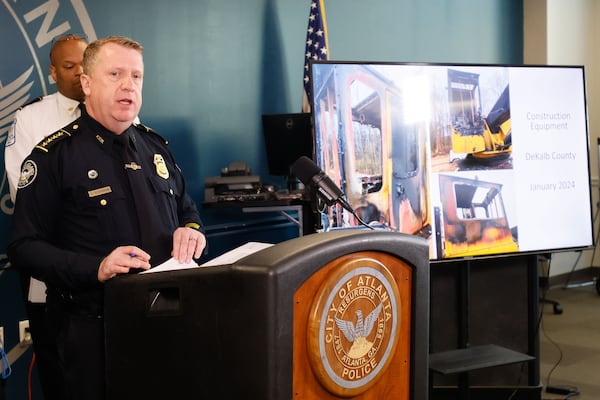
pixel 236 183
pixel 287 138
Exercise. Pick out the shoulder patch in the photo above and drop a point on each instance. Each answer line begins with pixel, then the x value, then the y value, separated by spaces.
pixel 31 102
pixel 64 133
pixel 28 173
pixel 149 130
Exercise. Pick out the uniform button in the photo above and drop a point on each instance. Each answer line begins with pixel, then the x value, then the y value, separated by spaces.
pixel 103 202
pixel 171 191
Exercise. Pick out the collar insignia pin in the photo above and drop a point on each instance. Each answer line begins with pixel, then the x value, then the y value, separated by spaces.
pixel 133 165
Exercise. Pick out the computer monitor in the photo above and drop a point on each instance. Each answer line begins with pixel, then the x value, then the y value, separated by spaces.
pixel 287 138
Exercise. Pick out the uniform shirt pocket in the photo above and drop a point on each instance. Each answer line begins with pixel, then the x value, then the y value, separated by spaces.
pixel 166 197
pixel 102 207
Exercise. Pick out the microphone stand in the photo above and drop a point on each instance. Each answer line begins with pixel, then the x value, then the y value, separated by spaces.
pixel 341 201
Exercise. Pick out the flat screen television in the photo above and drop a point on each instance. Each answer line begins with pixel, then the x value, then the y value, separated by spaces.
pixel 482 160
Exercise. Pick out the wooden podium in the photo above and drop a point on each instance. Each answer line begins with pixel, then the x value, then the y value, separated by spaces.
pixel 335 315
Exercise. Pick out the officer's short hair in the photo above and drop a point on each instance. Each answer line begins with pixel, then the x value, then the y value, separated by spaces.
pixel 90 56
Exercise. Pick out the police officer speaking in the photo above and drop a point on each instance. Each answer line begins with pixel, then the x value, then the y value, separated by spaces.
pixel 100 197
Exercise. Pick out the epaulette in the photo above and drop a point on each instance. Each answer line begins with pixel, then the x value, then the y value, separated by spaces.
pixel 64 133
pixel 147 129
pixel 39 98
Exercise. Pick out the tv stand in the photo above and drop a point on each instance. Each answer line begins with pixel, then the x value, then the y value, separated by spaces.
pixel 462 361
pixel 474 357
pixel 472 353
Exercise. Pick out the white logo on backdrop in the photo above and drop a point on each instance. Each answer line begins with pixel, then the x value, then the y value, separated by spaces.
pixel 27 29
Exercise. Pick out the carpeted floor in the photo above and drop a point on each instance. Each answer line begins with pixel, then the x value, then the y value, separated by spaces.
pixel 570 343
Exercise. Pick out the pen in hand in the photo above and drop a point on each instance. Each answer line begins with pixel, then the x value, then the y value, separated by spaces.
pixel 140 256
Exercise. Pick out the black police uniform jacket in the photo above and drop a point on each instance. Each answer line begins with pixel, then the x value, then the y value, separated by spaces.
pixel 75 203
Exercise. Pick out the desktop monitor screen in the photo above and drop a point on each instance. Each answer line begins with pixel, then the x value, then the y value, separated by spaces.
pixel 481 160
pixel 287 138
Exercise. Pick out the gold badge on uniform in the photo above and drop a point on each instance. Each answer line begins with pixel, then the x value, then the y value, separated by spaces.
pixel 161 167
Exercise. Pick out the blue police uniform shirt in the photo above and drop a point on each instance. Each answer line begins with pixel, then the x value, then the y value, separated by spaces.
pixel 76 203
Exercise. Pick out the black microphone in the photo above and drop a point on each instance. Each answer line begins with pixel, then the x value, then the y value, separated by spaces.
pixel 310 174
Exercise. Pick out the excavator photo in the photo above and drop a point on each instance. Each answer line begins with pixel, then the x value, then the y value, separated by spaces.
pixel 484 139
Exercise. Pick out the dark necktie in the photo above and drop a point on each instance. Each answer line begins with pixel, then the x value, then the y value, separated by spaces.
pixel 143 199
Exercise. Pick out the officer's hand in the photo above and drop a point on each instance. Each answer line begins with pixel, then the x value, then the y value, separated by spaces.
pixel 188 243
pixel 121 260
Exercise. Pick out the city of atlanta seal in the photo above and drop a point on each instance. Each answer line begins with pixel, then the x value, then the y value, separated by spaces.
pixel 354 321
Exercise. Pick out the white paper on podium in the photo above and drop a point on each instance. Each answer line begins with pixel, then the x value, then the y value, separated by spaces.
pixel 236 254
pixel 227 258
pixel 171 265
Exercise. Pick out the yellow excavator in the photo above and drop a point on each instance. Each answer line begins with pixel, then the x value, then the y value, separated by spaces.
pixel 486 139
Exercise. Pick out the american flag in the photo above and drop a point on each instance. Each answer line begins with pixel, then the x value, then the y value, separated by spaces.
pixel 316 45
